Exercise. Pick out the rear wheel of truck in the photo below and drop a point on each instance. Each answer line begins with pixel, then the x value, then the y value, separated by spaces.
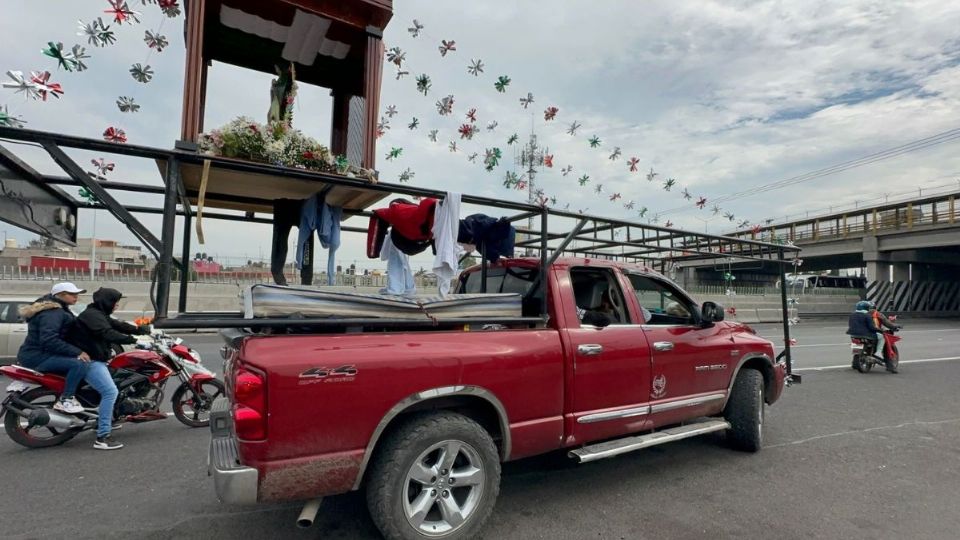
pixel 437 476
pixel 744 411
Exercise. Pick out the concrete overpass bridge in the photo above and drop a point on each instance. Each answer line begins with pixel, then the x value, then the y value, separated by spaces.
pixel 909 251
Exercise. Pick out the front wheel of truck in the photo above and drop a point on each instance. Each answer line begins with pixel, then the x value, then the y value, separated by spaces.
pixel 437 476
pixel 744 411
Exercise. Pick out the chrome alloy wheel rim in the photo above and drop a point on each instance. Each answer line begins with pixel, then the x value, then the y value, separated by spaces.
pixel 443 488
pixel 760 413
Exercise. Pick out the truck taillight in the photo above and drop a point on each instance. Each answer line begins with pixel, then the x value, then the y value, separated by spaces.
pixel 249 410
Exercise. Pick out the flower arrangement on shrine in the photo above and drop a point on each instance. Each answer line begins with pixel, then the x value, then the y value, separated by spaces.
pixel 275 143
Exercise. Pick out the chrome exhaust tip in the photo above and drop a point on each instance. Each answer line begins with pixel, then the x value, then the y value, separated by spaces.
pixel 309 513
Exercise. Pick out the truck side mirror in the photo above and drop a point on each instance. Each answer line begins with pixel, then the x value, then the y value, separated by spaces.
pixel 712 312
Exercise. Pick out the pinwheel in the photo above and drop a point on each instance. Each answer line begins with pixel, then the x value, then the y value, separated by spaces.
pixel 521 185
pixel 567 170
pixel 391 111
pixel 548 161
pixel 492 158
pixel 629 205
pixel 632 163
pixel 402 73
pixel 127 104
pixel 114 135
pixel 614 197
pixel 642 212
pixel 669 183
pixel 447 46
pixel 170 8
pixel 583 180
pixel 668 224
pixel 414 124
pixel 394 153
pixel 502 83
pixel 432 135
pixel 121 12
pixel 77 55
pixel 102 166
pixel 475 68
pixel 472 158
pixel 41 79
pixel 452 146
pixel 467 131
pixel 423 83
pixel 510 179
pixel 21 84
pixel 572 130
pixel 686 194
pixel 445 105
pixel 651 175
pixel 492 125
pixel 526 101
pixel 715 209
pixel 757 229
pixel 701 202
pixel 406 175
pixel 743 223
pixel 594 142
pixel 382 126
pixel 396 56
pixel 472 115
pixel 155 41
pixel 553 201
pixel 55 51
pixel 550 113
pixel 8 120
pixel 598 188
pixel 415 29
pixel 141 73
pixel 513 138
pixel 616 154
pixel 542 200
pixel 729 216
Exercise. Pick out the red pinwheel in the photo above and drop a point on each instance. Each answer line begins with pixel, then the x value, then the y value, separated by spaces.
pixel 756 229
pixel 548 161
pixel 114 135
pixel 550 113
pixel 732 311
pixel 121 12
pixel 472 115
pixel 668 224
pixel 633 162
pixel 44 86
pixel 701 202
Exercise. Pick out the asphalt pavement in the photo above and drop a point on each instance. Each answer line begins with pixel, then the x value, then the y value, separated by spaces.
pixel 847 455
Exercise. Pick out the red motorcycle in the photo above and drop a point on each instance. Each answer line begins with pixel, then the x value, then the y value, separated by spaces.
pixel 865 354
pixel 140 375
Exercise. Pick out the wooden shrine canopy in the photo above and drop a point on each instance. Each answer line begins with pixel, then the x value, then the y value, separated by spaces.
pixel 336 44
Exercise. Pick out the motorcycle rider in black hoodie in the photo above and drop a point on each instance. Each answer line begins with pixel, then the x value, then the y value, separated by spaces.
pixel 97 335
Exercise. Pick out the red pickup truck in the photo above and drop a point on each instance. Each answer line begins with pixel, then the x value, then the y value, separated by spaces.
pixel 422 418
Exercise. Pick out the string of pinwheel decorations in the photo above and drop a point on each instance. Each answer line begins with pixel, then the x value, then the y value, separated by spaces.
pixel 459 127
pixel 100 31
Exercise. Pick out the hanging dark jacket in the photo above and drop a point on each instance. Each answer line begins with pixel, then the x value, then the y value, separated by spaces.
pixel 97 331
pixel 49 322
pixel 492 236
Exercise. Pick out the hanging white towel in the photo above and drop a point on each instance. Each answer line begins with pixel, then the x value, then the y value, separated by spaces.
pixel 446 225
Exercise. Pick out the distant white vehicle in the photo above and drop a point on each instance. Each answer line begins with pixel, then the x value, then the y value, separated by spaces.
pixel 13 329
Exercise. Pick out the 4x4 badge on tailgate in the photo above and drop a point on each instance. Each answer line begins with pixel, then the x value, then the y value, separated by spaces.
pixel 325 374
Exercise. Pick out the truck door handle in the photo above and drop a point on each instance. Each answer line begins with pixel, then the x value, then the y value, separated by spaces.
pixel 663 346
pixel 590 349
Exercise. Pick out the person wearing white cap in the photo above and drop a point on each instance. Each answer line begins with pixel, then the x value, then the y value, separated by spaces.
pixel 49 321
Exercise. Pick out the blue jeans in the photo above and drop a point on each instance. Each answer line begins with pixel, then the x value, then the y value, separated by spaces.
pixel 99 378
pixel 74 368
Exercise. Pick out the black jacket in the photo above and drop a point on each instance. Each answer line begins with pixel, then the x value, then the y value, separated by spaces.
pixel 49 322
pixel 861 324
pixel 97 331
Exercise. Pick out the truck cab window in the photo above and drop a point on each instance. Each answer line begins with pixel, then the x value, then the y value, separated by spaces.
pixel 662 301
pixel 596 291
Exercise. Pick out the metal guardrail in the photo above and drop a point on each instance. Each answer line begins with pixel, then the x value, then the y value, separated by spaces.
pixel 768 291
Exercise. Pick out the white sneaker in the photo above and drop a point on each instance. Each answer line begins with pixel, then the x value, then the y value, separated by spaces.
pixel 69 406
pixel 107 443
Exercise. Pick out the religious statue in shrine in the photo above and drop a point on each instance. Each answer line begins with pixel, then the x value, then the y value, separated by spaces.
pixel 283 92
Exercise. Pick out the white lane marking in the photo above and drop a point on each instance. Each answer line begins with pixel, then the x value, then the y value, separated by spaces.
pixel 878 428
pixel 918 361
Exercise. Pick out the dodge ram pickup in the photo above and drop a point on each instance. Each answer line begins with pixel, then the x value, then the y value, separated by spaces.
pixel 421 418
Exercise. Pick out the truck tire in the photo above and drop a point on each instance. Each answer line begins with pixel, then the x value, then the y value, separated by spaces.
pixel 436 476
pixel 744 411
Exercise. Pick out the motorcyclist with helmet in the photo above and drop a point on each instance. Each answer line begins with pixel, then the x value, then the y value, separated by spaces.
pixel 864 323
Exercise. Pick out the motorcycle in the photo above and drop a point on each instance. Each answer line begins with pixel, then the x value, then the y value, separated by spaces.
pixel 865 356
pixel 140 375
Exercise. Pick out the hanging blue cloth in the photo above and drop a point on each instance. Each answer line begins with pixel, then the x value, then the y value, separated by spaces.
pixel 317 215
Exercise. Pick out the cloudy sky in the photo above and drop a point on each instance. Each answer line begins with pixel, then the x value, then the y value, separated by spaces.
pixel 723 96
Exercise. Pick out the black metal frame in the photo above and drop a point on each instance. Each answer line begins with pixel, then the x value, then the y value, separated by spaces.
pixel 650 244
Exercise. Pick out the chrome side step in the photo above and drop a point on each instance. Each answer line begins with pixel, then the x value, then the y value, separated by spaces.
pixel 616 447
